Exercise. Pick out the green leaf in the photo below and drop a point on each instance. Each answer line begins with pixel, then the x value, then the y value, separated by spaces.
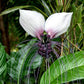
pixel 2 61
pixel 31 80
pixel 19 64
pixel 65 69
pixel 79 13
pixel 20 59
pixel 59 5
pixel 9 10
pixel 37 62
pixel 81 33
pixel 68 4
pixel 46 6
pixel 1 82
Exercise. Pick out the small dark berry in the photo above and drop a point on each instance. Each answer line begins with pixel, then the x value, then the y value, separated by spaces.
pixel 42 45
pixel 43 54
pixel 49 51
pixel 39 44
pixel 40 52
pixel 49 48
pixel 49 44
pixel 44 50
pixel 40 49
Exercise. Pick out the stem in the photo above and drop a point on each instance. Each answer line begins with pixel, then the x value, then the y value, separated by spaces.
pixel 62 46
pixel 75 37
pixel 63 5
pixel 18 81
pixel 74 44
pixel 41 70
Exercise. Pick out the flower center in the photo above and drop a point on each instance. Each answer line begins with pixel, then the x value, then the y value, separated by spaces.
pixel 45 46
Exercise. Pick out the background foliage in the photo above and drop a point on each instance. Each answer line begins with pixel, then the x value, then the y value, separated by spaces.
pixel 15 66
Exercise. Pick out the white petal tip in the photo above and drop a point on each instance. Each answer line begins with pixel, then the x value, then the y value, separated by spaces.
pixel 71 13
pixel 21 11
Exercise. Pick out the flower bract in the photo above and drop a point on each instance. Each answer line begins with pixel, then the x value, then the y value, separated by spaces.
pixel 34 23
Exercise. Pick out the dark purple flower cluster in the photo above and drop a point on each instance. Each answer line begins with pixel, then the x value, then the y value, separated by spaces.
pixel 45 46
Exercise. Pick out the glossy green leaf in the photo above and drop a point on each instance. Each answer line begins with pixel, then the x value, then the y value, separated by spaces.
pixel 2 60
pixel 20 61
pixel 9 10
pixel 65 69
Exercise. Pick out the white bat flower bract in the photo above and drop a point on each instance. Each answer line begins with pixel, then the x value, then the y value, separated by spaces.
pixel 57 24
pixel 34 23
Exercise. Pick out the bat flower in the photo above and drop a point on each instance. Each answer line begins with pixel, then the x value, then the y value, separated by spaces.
pixel 34 24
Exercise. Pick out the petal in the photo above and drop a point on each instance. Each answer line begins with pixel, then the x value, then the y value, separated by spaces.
pixel 32 22
pixel 58 23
